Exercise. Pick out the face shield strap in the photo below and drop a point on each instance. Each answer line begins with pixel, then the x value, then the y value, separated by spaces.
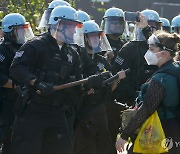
pixel 153 40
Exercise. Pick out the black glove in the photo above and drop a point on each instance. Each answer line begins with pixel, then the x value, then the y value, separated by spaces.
pixel 44 88
pixel 95 81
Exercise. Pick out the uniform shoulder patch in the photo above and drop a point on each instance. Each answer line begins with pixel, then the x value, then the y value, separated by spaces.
pixel 119 60
pixel 2 57
pixel 18 54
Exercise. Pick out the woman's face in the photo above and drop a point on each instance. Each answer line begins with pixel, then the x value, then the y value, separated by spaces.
pixel 156 50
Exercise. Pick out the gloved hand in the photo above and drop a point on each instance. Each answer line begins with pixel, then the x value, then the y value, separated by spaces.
pixel 95 81
pixel 44 88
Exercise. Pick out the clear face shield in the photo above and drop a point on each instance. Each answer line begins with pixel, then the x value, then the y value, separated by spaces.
pixel 167 29
pixel 113 25
pixel 23 33
pixel 45 19
pixel 67 31
pixel 155 25
pixel 96 42
pixel 176 30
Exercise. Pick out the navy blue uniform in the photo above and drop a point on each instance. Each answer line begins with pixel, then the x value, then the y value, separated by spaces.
pixel 8 96
pixel 47 121
pixel 92 132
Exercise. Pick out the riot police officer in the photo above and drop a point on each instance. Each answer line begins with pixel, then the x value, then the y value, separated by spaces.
pixel 92 133
pixel 114 25
pixel 43 24
pixel 175 24
pixel 16 32
pixel 1 33
pixel 40 64
pixel 166 26
pixel 83 16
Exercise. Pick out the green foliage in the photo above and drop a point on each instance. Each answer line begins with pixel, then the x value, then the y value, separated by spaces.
pixel 32 10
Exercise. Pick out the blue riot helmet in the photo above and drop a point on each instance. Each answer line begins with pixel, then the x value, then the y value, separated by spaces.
pixel 153 19
pixel 176 24
pixel 83 16
pixel 165 24
pixel 95 39
pixel 63 23
pixel 45 17
pixel 113 22
pixel 16 29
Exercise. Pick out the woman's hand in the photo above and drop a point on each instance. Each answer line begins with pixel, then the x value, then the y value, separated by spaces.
pixel 143 21
pixel 120 144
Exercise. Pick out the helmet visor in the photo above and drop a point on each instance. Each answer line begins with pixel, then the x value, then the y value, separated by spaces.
pixel 45 18
pixel 167 29
pixel 113 25
pixel 67 31
pixel 97 42
pixel 176 29
pixel 23 33
pixel 155 25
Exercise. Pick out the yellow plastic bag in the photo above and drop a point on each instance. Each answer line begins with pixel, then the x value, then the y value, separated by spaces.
pixel 150 136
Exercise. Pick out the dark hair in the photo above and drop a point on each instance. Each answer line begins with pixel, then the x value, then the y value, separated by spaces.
pixel 170 41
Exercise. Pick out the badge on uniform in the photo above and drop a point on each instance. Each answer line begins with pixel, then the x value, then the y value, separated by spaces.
pixel 69 58
pixel 119 60
pixel 18 54
pixel 1 57
pixel 100 66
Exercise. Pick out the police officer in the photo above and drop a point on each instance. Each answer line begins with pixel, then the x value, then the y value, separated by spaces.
pixel 175 24
pixel 113 24
pixel 16 32
pixel 43 24
pixel 166 26
pixel 83 16
pixel 40 64
pixel 1 33
pixel 92 133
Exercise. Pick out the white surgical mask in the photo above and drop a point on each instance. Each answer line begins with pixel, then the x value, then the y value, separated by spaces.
pixel 151 58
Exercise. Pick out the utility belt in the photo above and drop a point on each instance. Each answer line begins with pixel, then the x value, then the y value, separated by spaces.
pixel 51 100
pixel 94 99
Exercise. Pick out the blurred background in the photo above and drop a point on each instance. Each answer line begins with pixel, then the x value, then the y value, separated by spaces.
pixel 33 9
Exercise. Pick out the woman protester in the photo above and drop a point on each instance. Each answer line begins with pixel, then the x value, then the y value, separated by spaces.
pixel 161 92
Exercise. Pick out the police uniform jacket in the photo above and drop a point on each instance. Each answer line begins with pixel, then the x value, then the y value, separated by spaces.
pixel 42 59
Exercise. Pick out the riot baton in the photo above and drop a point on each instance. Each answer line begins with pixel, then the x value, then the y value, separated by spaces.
pixel 111 79
pixel 76 83
pixel 73 84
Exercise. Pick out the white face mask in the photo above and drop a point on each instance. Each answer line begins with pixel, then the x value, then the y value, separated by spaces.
pixel 151 58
